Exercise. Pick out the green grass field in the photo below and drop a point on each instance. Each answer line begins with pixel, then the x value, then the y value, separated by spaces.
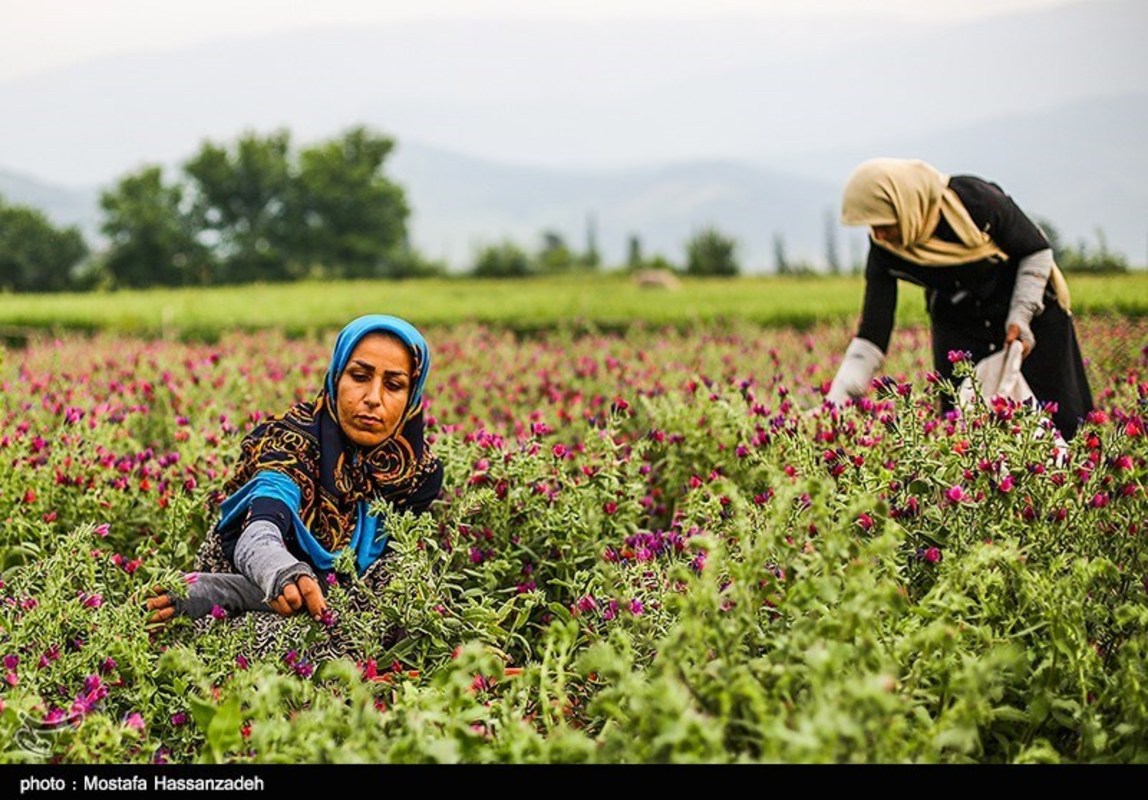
pixel 607 302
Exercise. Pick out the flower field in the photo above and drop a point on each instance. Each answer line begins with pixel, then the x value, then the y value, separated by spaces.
pixel 648 549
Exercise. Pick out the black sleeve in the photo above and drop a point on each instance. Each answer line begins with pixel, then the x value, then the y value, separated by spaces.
pixel 880 300
pixel 421 499
pixel 995 213
pixel 261 508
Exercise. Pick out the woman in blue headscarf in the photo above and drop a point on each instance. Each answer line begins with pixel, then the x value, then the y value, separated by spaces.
pixel 304 483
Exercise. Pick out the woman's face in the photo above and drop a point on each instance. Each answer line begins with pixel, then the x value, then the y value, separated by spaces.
pixel 373 390
pixel 889 234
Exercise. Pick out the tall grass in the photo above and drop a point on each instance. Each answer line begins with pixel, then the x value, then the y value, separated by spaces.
pixel 606 302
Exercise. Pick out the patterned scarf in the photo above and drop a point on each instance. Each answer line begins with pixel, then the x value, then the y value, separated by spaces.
pixel 336 480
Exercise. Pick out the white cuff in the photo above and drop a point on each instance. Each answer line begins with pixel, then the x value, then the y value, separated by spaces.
pixel 862 360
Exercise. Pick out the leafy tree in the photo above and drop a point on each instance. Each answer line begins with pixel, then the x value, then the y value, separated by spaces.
pixel 780 261
pixel 634 252
pixel 35 256
pixel 832 261
pixel 1082 257
pixel 591 259
pixel 153 238
pixel 710 252
pixel 351 217
pixel 504 260
pixel 243 195
pixel 554 256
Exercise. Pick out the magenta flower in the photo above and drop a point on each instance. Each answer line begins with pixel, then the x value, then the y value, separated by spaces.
pixel 135 721
pixel 636 607
pixel 241 662
pixel 956 494
pixel 1006 485
pixel 178 719
pixel 102 530
pixel 933 555
pixel 865 522
pixel 218 612
pixel 91 600
pixel 11 661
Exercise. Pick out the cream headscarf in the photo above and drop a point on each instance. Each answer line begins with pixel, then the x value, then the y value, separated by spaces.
pixel 914 196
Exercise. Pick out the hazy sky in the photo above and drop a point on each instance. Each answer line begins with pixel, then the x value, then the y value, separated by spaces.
pixel 41 34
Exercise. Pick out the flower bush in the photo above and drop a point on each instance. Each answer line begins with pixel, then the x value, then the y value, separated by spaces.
pixel 649 547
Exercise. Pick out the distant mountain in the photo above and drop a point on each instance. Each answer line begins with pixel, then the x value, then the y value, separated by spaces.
pixel 462 203
pixel 63 205
pixel 564 93
pixel 1082 166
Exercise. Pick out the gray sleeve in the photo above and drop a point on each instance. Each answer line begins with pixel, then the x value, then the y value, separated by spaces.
pixel 1028 295
pixel 233 593
pixel 264 560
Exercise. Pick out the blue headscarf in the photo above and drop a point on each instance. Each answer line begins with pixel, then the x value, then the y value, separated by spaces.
pixel 351 335
pixel 304 460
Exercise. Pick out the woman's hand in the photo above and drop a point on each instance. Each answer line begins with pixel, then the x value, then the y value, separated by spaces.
pixel 1013 334
pixel 302 592
pixel 162 607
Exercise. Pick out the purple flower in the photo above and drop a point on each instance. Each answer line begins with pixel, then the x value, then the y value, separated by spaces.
pixel 91 600
pixel 218 612
pixel 11 661
pixel 636 607
pixel 107 665
pixel 178 718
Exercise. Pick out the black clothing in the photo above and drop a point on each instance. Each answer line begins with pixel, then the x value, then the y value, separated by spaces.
pixel 968 304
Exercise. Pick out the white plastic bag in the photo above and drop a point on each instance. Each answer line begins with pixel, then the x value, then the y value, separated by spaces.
pixel 999 375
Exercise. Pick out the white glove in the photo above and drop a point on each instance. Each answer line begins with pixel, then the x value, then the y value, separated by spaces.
pixel 861 362
pixel 1028 294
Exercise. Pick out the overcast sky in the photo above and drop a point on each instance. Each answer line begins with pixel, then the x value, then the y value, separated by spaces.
pixel 40 34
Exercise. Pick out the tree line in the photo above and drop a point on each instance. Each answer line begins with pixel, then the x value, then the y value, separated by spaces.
pixel 259 209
